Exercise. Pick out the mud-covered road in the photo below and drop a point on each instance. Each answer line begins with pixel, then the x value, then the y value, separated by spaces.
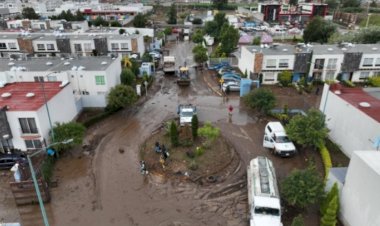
pixel 105 186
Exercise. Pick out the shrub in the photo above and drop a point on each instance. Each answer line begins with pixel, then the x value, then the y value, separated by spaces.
pixel 194 126
pixel 47 168
pixel 174 134
pixel 298 221
pixel 127 77
pixel 334 192
pixel 263 100
pixel 199 151
pixel 329 218
pixel 209 132
pixel 374 81
pixel 285 78
pixel 325 154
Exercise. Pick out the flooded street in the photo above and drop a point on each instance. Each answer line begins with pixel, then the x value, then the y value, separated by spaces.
pixel 105 187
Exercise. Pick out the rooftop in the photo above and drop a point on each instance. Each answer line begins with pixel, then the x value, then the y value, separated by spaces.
pixel 49 35
pixel 273 50
pixel 14 95
pixel 57 64
pixel 365 100
pixel 371 158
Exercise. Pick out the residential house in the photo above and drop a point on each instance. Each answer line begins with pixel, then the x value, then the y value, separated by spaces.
pixel 26 110
pixel 325 62
pixel 45 46
pixel 91 77
pixel 352 116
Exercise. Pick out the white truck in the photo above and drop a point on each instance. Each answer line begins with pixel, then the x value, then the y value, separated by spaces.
pixel 186 113
pixel 169 65
pixel 263 196
pixel 275 138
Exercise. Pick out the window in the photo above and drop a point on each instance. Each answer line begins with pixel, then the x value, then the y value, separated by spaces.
pixel 319 63
pixel 271 63
pixel 368 62
pixel 99 80
pixel 331 64
pixel 330 75
pixel 114 46
pixel 78 47
pixel 269 76
pixel 124 45
pixel 33 144
pixel 52 78
pixel 377 62
pixel 28 125
pixel 42 26
pixel 38 78
pixel 87 47
pixel 40 46
pixel 50 46
pixel 364 75
pixel 3 46
pixel 283 63
pixel 12 45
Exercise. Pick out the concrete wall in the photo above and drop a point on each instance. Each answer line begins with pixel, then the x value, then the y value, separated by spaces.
pixel 349 127
pixel 246 61
pixel 339 58
pixel 360 196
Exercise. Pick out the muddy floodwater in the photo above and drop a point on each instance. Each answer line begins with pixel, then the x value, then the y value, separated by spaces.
pixel 104 187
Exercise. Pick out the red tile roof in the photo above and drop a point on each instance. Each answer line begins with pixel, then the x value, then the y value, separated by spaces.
pixel 355 96
pixel 18 100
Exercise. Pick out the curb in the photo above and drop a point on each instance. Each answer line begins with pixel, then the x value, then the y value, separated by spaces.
pixel 211 87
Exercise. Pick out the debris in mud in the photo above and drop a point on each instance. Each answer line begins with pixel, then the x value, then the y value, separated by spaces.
pixel 121 150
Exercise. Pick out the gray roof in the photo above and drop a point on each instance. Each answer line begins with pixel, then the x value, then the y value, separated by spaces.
pixel 326 49
pixel 17 35
pixel 82 36
pixel 39 64
pixel 273 50
pixel 339 173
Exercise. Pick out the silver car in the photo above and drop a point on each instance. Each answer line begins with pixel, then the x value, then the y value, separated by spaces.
pixel 232 86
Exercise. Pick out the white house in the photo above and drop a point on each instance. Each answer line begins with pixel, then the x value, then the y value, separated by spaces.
pixel 352 116
pixel 27 108
pixel 359 197
pixel 326 62
pixel 91 77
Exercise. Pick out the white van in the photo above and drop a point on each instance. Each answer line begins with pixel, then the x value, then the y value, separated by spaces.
pixel 275 138
pixel 263 196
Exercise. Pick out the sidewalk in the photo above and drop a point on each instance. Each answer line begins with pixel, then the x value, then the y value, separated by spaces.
pixel 211 79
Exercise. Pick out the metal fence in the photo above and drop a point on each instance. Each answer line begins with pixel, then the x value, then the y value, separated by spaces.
pixel 230 60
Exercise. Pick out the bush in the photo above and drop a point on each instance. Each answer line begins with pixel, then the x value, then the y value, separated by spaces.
pixel 263 100
pixel 127 77
pixel 194 126
pixel 329 218
pixel 209 132
pixel 285 78
pixel 174 134
pixel 47 168
pixel 325 154
pixel 197 21
pixel 374 81
pixel 334 192
pixel 199 151
pixel 348 83
pixel 298 221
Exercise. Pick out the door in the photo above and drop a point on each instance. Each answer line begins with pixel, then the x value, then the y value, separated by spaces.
pixel 268 142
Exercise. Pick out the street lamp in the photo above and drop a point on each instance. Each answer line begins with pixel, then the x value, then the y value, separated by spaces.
pixel 36 187
pixel 46 104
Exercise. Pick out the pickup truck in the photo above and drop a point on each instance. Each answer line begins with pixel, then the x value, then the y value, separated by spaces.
pixel 186 113
pixel 276 139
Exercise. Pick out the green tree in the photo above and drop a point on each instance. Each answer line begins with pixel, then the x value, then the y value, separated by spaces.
pixel 329 218
pixel 140 20
pixel 69 16
pixel 147 57
pixel 333 4
pixel 350 3
pixel 318 30
pixel 219 4
pixel 121 31
pixel 194 126
pixel 334 192
pixel 298 221
pixel 262 100
pixel 197 36
pixel 135 68
pixel 293 2
pixel 229 37
pixel 209 132
pixel 200 54
pixel 121 96
pixel 256 41
pixel 302 187
pixel 79 16
pixel 66 131
pixel 309 130
pixel 172 14
pixel 127 77
pixel 197 21
pixel 29 13
pixel 211 28
pixel 285 78
pixel 99 21
pixel 174 134
pixel 115 24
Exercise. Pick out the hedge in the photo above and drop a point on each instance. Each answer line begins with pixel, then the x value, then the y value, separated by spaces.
pixel 325 154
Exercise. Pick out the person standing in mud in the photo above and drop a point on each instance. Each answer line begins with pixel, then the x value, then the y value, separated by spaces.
pixel 157 147
pixel 165 153
pixel 143 168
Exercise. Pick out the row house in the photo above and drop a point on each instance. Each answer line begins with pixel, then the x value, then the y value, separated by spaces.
pixel 346 61
pixel 47 24
pixel 24 119
pixel 46 45
pixel 91 77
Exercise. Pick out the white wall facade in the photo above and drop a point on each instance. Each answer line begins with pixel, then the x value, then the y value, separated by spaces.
pixel 328 72
pixel 360 197
pixel 246 60
pixel 270 71
pixel 46 46
pixel 10 45
pixel 349 127
pixel 86 46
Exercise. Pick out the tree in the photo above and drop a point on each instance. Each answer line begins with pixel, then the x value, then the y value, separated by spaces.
pixel 309 130
pixel 197 36
pixel 285 78
pixel 197 21
pixel 69 16
pixel 121 31
pixel 334 192
pixel 368 35
pixel 99 21
pixel 174 134
pixel 302 187
pixel 263 100
pixel 329 218
pixel 115 24
pixel 121 96
pixel 298 221
pixel 194 126
pixel 333 4
pixel 139 20
pixel 213 28
pixel 135 67
pixel 127 77
pixel 172 14
pixel 350 3
pixel 256 41
pixel 29 13
pixel 66 131
pixel 318 30
pixel 147 57
pixel 229 37
pixel 200 54
pixel 79 16
pixel 219 4
pixel 293 2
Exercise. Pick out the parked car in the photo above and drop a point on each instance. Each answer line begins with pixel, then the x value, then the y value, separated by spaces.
pixel 231 75
pixel 231 85
pixel 8 160
pixel 218 66
pixel 226 69
pixel 155 55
